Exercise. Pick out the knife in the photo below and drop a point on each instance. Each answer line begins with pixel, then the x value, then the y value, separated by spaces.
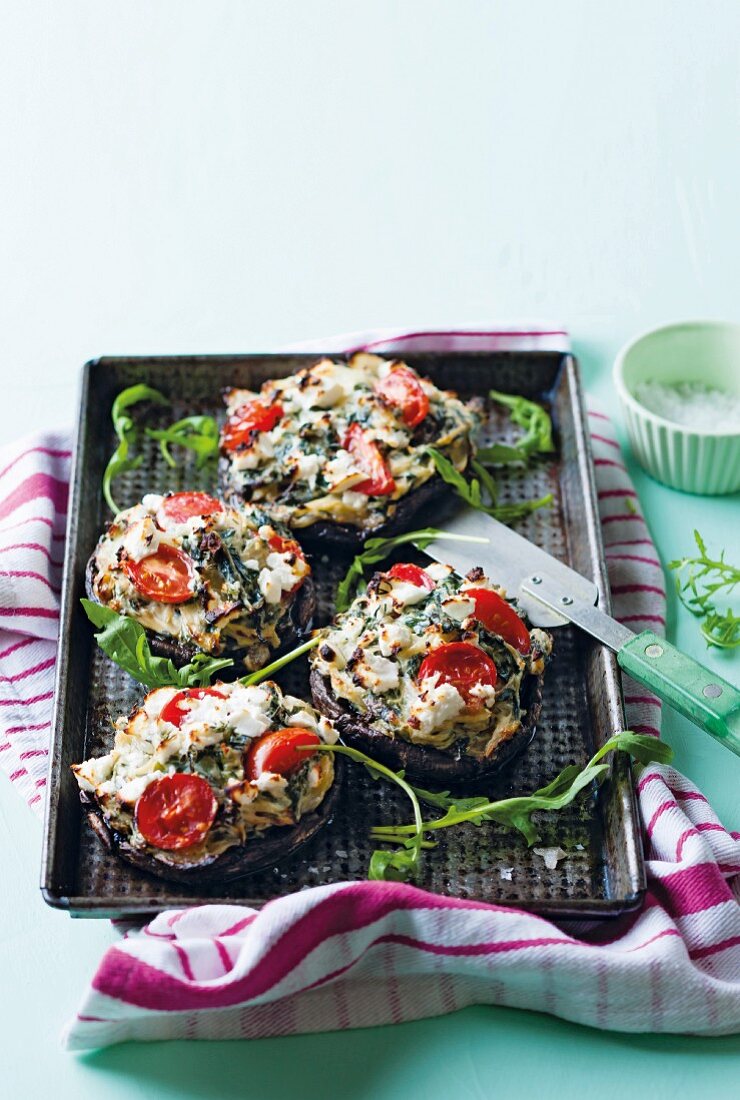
pixel 551 595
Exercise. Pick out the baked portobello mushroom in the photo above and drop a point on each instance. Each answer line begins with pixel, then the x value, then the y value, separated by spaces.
pixel 201 576
pixel 338 451
pixel 211 784
pixel 432 673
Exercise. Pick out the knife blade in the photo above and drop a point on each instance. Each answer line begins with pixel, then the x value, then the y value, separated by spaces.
pixel 551 594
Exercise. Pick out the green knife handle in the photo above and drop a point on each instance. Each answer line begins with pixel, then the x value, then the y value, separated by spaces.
pixel 687 686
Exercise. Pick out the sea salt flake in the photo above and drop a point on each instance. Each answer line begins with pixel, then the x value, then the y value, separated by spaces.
pixel 551 856
pixel 692 404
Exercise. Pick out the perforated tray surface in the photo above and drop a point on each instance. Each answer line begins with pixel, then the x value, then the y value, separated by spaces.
pixel 602 872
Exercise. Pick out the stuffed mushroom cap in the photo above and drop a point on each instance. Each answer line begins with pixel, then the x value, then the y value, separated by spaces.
pixel 211 783
pixel 199 575
pixel 341 450
pixel 432 672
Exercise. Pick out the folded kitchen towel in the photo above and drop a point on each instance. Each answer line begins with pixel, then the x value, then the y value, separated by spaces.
pixel 361 953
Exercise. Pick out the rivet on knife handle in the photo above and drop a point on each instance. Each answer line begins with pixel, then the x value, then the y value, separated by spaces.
pixel 687 686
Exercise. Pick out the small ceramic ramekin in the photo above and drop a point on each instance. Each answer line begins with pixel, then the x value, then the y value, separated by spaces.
pixel 693 460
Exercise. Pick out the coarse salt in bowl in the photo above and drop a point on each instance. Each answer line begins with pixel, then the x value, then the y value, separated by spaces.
pixel 679 387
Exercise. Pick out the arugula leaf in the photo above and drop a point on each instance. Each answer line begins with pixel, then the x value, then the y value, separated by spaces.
pixel 470 491
pixel 517 812
pixel 268 670
pixel 699 581
pixel 197 433
pixel 125 642
pixel 125 430
pixel 377 550
pixel 535 420
pixel 388 864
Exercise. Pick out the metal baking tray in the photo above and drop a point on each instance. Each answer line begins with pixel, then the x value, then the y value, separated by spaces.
pixel 603 872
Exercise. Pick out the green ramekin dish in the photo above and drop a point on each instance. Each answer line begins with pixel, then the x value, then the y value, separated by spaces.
pixel 693 460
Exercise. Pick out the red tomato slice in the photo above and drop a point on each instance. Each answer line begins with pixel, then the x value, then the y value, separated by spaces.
pixel 379 482
pixel 405 571
pixel 177 708
pixel 166 575
pixel 239 429
pixel 182 506
pixel 176 811
pixel 461 664
pixel 499 617
pixel 279 751
pixel 401 388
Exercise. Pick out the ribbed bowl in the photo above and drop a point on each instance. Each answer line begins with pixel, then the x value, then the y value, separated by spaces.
pixel 693 460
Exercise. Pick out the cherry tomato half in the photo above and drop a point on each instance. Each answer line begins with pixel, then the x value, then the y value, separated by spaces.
pixel 177 708
pixel 166 575
pixel 176 811
pixel 239 429
pixel 401 388
pixel 279 751
pixel 461 664
pixel 379 481
pixel 500 618
pixel 182 506
pixel 413 574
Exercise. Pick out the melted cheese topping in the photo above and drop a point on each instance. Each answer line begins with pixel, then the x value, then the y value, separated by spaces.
pixel 371 656
pixel 211 742
pixel 243 587
pixel 301 467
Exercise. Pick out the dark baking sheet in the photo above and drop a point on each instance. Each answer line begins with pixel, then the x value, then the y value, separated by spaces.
pixel 602 874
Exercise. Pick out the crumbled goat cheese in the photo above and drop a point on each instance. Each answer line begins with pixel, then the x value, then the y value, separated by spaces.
pixel 405 594
pixel 437 571
pixel 141 539
pixel 260 448
pixel 340 469
pixel 393 636
pixel 437 704
pixel 302 719
pixel 270 781
pixel 485 692
pixel 277 577
pixel 307 468
pixel 458 608
pixel 377 673
pixel 134 788
pixel 329 384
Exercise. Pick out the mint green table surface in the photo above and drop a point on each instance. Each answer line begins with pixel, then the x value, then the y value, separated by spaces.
pixel 223 175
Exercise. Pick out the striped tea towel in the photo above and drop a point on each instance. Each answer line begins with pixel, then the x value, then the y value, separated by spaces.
pixel 361 954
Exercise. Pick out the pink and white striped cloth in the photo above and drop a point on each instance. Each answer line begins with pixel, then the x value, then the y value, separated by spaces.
pixel 361 954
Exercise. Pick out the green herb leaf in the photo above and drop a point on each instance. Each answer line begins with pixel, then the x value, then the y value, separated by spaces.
pixel 125 642
pixel 470 491
pixel 387 864
pixel 197 433
pixel 700 581
pixel 517 812
pixel 377 550
pixel 268 670
pixel 125 430
pixel 537 438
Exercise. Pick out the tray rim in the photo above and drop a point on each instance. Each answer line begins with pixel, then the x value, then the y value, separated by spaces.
pixel 621 774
